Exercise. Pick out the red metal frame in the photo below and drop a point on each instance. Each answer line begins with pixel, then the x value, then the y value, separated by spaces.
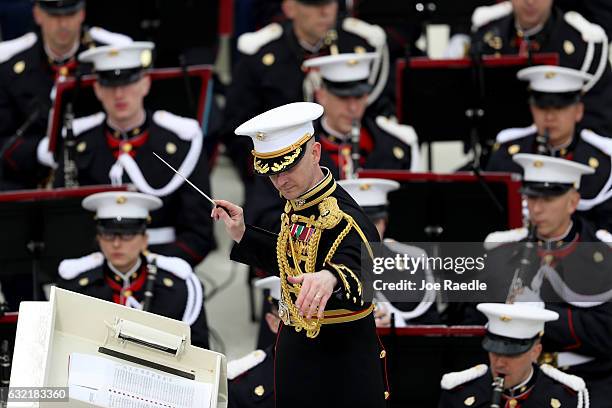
pixel 490 61
pixel 57 194
pixel 433 331
pixel 515 218
pixel 202 71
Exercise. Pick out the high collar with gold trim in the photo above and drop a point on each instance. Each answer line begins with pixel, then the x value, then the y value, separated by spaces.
pixel 315 195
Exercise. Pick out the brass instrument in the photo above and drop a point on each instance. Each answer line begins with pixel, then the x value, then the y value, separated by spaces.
pixel 498 390
pixel 518 281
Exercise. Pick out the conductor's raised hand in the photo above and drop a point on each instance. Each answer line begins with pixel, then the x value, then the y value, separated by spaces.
pixel 233 217
pixel 316 290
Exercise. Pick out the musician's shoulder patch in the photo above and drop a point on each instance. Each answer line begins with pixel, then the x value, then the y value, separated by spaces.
pixel 453 380
pixel 497 238
pixel 71 268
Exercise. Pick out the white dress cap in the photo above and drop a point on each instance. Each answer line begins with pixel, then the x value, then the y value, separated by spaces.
pixel 121 204
pixel 272 283
pixel 369 192
pixel 516 321
pixel 117 57
pixel 280 130
pixel 553 79
pixel 545 169
pixel 343 67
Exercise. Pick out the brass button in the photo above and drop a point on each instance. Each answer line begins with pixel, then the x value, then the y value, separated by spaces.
pixel 170 148
pixel 19 67
pixel 568 47
pixel 555 403
pixel 398 152
pixel 168 282
pixel 387 395
pixel 83 281
pixel 512 403
pixel 514 149
pixel 81 147
pixel 126 147
pixel 383 354
pixel 598 257
pixel 63 71
pixel 268 59
pixel 259 390
pixel 593 162
pixel 469 401
pixel 127 293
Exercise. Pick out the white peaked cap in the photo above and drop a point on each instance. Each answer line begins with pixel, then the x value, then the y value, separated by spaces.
pixel 369 192
pixel 281 129
pixel 117 57
pixel 553 79
pixel 343 67
pixel 546 169
pixel 272 283
pixel 121 204
pixel 516 321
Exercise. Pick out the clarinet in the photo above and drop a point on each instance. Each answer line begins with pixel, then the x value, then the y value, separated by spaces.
pixel 498 389
pixel 70 169
pixel 355 138
pixel 542 143
pixel 5 364
pixel 151 278
pixel 518 281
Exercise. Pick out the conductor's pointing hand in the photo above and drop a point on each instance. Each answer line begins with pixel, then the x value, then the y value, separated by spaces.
pixel 232 216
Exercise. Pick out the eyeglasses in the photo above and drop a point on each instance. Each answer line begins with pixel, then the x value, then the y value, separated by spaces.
pixel 111 236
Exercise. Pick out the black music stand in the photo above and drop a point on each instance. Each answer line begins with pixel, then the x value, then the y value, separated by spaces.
pixel 457 100
pixel 435 350
pixel 457 207
pixel 40 229
pixel 178 28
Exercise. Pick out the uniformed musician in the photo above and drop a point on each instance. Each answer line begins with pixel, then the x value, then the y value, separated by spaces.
pixel 116 146
pixel 29 67
pixel 568 267
pixel 327 352
pixel 526 26
pixel 371 195
pixel 269 71
pixel 513 379
pixel 251 378
pixel 125 272
pixel 557 111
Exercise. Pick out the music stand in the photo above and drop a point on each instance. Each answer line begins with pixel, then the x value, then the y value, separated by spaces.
pixel 446 100
pixel 436 350
pixel 42 228
pixel 184 93
pixel 431 207
pixel 399 13
pixel 176 27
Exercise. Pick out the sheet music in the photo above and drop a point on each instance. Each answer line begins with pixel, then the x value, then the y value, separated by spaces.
pixel 107 383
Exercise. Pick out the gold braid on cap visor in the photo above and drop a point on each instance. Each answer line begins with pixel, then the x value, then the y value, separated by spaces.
pixel 287 156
